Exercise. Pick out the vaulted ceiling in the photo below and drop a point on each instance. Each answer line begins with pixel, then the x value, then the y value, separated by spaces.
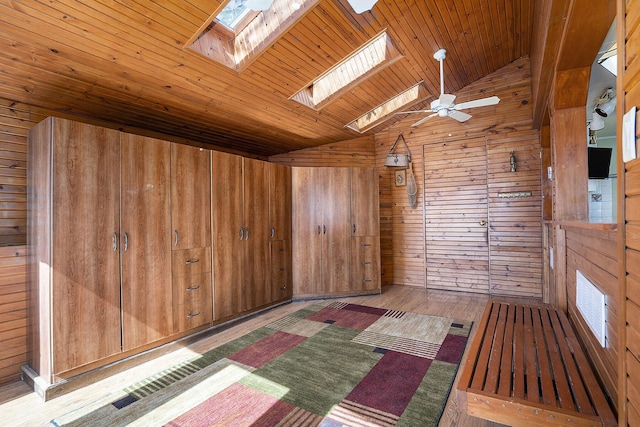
pixel 132 62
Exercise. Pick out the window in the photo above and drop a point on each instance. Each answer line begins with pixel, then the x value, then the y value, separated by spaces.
pixel 381 113
pixel 375 55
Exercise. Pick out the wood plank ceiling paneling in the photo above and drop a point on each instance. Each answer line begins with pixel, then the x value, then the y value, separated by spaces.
pixel 127 62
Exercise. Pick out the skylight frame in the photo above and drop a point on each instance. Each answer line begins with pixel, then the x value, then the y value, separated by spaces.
pixel 387 109
pixel 369 59
pixel 240 21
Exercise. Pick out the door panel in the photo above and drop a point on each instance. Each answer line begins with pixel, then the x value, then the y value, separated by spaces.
pixel 190 197
pixel 365 220
pixel 280 201
pixel 336 229
pixel 256 244
pixel 86 268
pixel 226 210
pixel 456 216
pixel 306 231
pixel 146 247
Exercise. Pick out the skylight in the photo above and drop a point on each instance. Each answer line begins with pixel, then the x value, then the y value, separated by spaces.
pixel 233 13
pixel 372 57
pixel 382 112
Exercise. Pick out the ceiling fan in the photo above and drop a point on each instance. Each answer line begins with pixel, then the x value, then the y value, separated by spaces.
pixel 445 105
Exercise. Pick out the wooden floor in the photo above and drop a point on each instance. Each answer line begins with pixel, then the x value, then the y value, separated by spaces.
pixel 20 407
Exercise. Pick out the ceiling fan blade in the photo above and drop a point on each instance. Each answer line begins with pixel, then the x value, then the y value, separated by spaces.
pixel 459 115
pixel 447 99
pixel 492 100
pixel 421 121
pixel 414 111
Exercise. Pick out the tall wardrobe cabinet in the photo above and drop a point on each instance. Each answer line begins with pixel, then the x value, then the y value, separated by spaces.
pixel 99 252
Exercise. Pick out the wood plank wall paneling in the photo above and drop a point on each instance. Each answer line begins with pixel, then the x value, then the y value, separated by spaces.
pixel 13 312
pixel 357 152
pixel 628 18
pixel 594 253
pixel 517 240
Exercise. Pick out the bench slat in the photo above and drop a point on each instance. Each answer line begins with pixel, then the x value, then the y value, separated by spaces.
pixel 531 362
pixel 557 366
pixel 495 362
pixel 485 350
pixel 518 351
pixel 573 373
pixel 506 367
pixel 544 367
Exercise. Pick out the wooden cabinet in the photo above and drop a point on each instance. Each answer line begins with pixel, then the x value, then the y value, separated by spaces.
pixel 99 232
pixel 145 242
pixel 280 220
pixel 330 205
pixel 245 216
pixel 192 302
pixel 73 239
pixel 190 197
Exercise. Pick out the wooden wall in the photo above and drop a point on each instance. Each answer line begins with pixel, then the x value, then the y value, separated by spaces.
pixel 629 212
pixel 593 252
pixel 516 237
pixel 15 121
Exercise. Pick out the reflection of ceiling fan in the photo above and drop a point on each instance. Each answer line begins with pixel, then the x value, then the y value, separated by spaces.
pixel 445 106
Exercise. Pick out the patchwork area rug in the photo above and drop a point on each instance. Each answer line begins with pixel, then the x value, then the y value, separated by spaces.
pixel 330 364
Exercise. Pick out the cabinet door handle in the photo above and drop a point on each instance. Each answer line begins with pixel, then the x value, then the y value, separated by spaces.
pixel 319 230
pixel 324 229
pixel 190 315
pixel 241 233
pixel 115 241
pixel 354 229
pixel 273 232
pixel 246 235
pixel 192 261
pixel 193 288
pixel 126 241
pixel 175 233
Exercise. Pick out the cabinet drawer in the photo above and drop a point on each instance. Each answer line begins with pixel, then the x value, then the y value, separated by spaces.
pixel 192 301
pixel 365 258
pixel 188 262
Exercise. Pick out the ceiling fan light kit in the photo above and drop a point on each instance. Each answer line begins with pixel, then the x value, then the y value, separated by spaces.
pixel 445 105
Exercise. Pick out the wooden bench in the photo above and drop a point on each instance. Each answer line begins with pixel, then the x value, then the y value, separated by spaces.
pixel 526 368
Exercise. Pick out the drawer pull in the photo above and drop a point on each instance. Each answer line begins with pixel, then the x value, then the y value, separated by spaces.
pixel 366 281
pixel 191 261
pixel 190 315
pixel 365 244
pixel 282 269
pixel 366 262
pixel 193 288
pixel 284 288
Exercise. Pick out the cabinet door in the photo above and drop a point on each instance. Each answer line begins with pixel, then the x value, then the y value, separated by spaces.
pixel 306 231
pixel 190 197
pixel 256 284
pixel 336 229
pixel 86 265
pixel 226 216
pixel 145 242
pixel 280 201
pixel 365 220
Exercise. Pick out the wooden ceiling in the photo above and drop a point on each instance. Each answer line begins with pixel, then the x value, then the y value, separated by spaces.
pixel 129 62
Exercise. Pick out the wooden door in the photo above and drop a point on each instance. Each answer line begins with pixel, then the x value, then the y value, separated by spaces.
pixel 256 282
pixel 456 216
pixel 365 218
pixel 145 240
pixel 228 233
pixel 86 264
pixel 190 197
pixel 334 192
pixel 306 231
pixel 280 201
